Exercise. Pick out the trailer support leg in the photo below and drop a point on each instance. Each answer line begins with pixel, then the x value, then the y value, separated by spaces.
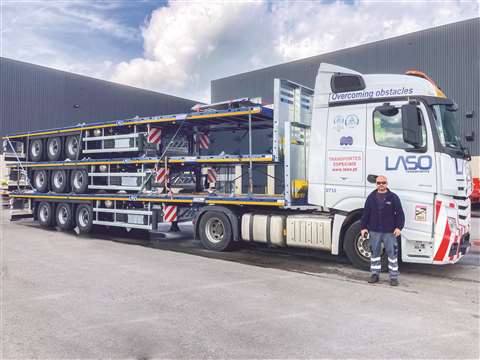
pixel 174 227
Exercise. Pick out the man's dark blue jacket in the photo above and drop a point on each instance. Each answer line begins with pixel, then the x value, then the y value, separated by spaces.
pixel 383 220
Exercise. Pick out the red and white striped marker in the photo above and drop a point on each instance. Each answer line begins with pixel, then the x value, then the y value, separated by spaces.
pixel 169 213
pixel 161 175
pixel 211 175
pixel 203 140
pixel 154 136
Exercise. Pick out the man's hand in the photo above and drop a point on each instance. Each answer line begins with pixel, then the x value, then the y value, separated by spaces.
pixel 397 232
pixel 363 232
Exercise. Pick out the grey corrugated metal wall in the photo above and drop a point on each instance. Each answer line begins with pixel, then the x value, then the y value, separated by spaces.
pixel 449 54
pixel 35 97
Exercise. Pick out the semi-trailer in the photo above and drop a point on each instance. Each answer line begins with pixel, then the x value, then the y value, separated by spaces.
pixel 328 145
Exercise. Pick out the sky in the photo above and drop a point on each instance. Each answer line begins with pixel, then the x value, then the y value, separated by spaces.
pixel 178 47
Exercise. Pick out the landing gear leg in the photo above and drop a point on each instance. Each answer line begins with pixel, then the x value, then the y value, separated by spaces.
pixel 174 227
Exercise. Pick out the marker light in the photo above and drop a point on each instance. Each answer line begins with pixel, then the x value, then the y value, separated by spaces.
pixel 438 91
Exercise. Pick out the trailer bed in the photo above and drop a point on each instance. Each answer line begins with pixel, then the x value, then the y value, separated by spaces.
pixel 194 198
pixel 261 117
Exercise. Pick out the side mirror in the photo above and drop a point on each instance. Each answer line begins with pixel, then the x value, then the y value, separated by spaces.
pixel 471 136
pixel 412 125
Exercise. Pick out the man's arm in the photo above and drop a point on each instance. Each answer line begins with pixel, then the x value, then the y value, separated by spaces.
pixel 399 214
pixel 365 215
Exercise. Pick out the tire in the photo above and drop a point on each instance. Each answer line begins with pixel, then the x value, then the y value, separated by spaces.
pixel 40 180
pixel 79 181
pixel 59 181
pixel 54 148
pixel 84 218
pixel 35 150
pixel 72 147
pixel 358 250
pixel 45 214
pixel 215 231
pixel 64 216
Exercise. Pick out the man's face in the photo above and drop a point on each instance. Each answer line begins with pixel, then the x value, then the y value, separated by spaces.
pixel 381 183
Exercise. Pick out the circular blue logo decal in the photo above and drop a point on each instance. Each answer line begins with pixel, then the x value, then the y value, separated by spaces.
pixel 352 121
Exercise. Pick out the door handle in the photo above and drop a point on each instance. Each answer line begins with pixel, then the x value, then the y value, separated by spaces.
pixel 372 178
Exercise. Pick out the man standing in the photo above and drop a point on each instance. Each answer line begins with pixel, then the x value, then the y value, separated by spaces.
pixel 383 220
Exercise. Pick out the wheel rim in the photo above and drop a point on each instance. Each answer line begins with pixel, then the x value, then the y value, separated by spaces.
pixel 53 147
pixel 36 148
pixel 214 230
pixel 43 213
pixel 39 180
pixel 73 146
pixel 83 217
pixel 58 179
pixel 362 245
pixel 78 180
pixel 62 215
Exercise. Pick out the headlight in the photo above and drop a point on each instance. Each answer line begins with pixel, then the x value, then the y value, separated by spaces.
pixel 97 132
pixel 103 168
pixel 108 203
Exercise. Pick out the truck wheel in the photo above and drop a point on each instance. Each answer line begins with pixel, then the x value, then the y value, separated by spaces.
pixel 72 147
pixel 84 218
pixel 59 181
pixel 79 181
pixel 40 180
pixel 357 249
pixel 54 148
pixel 45 214
pixel 215 231
pixel 35 151
pixel 64 216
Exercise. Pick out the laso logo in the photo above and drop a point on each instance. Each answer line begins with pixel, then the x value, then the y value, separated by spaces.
pixel 410 163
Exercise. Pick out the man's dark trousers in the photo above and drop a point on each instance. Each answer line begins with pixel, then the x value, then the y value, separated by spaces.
pixel 391 248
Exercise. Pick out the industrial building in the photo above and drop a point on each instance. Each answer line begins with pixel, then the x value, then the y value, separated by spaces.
pixel 449 54
pixel 34 97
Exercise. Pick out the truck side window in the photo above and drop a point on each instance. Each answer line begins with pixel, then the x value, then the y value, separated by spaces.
pixel 388 132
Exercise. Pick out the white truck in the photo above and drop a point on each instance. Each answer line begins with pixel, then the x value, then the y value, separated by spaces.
pixel 328 147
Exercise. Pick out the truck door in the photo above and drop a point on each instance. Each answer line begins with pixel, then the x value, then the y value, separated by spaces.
pixel 411 172
pixel 345 156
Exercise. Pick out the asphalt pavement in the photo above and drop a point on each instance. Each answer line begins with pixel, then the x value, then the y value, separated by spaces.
pixel 116 295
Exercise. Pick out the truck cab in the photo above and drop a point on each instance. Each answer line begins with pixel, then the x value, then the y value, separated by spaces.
pixel 402 127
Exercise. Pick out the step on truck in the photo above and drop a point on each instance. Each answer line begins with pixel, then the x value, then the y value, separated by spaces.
pixel 292 174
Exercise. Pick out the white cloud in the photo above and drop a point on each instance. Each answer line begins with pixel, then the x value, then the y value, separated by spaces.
pixel 74 36
pixel 187 44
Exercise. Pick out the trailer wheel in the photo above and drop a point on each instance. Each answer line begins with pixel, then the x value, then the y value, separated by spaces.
pixel 84 218
pixel 64 216
pixel 40 180
pixel 357 249
pixel 79 181
pixel 59 181
pixel 72 147
pixel 54 148
pixel 215 231
pixel 45 214
pixel 35 150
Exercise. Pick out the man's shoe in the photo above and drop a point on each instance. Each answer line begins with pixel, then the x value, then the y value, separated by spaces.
pixel 373 278
pixel 394 282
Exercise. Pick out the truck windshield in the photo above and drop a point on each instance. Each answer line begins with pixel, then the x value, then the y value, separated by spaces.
pixel 447 127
